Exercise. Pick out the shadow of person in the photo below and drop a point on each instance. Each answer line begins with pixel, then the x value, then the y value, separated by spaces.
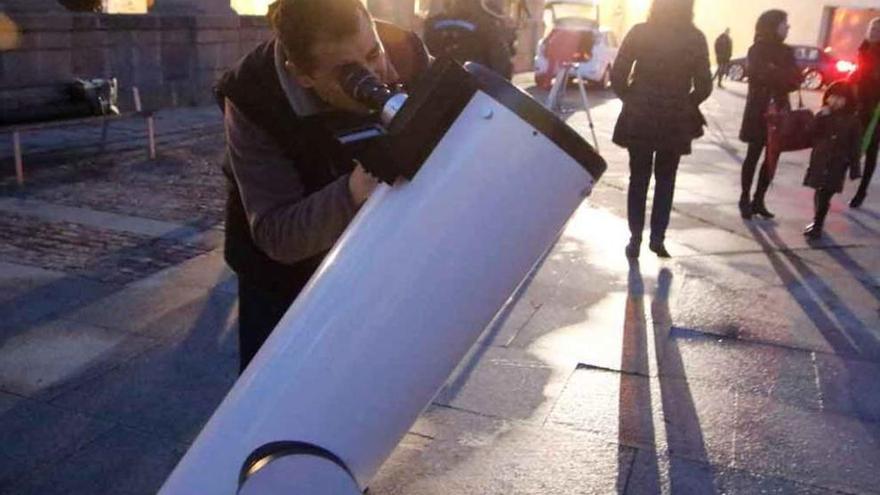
pixel 838 324
pixel 684 442
pixel 684 434
pixel 842 257
pixel 635 418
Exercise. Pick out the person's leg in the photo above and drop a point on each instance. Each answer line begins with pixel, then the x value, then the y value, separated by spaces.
pixel 665 171
pixel 747 176
pixel 765 178
pixel 822 204
pixel 870 167
pixel 259 311
pixel 640 165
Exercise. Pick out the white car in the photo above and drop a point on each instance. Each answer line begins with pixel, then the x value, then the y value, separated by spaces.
pixel 575 36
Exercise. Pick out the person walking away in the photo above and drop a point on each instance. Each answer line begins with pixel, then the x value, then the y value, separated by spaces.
pixel 723 53
pixel 773 74
pixel 837 138
pixel 867 86
pixel 662 74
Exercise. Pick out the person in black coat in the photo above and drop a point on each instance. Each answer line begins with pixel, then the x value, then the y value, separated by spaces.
pixel 723 52
pixel 662 75
pixel 465 31
pixel 773 74
pixel 867 81
pixel 837 138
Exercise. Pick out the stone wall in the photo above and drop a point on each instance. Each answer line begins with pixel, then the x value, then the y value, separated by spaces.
pixel 173 60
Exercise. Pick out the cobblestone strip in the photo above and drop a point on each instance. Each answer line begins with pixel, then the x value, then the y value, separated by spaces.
pixel 99 254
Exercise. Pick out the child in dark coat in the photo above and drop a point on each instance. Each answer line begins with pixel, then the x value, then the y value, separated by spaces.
pixel 836 149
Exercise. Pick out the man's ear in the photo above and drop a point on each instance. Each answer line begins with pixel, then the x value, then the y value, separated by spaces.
pixel 299 76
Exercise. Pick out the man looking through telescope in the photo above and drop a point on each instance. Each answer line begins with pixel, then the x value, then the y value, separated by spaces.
pixel 292 187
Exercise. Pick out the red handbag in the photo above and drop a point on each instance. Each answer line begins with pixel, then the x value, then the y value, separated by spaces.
pixel 788 130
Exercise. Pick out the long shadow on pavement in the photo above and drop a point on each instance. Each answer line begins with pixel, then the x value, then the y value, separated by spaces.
pixel 838 324
pixel 635 410
pixel 682 426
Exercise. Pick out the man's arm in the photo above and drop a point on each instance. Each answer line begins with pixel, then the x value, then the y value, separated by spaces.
pixel 285 223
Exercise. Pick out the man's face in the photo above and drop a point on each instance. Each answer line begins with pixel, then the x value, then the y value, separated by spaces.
pixel 330 56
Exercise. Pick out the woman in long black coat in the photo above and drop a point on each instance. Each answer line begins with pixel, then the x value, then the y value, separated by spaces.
pixel 660 117
pixel 773 74
pixel 867 82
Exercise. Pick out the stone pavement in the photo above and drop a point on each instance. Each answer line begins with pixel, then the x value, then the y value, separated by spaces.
pixel 748 363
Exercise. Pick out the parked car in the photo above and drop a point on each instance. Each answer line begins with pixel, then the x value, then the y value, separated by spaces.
pixel 575 36
pixel 820 67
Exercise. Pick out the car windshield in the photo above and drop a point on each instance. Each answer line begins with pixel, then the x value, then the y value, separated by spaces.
pixel 806 53
pixel 558 12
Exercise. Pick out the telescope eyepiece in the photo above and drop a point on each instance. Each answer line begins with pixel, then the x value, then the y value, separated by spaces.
pixel 360 84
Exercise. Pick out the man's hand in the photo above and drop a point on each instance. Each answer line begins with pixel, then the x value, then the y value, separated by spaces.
pixel 361 184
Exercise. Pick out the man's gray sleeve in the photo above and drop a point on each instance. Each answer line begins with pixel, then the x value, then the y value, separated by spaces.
pixel 285 223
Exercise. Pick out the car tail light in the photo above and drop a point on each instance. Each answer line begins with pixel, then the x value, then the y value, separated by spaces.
pixel 845 66
pixel 580 56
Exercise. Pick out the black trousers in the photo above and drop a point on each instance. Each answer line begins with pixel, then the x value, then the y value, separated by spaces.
pixel 870 166
pixel 664 165
pixel 722 71
pixel 259 310
pixel 821 206
pixel 748 173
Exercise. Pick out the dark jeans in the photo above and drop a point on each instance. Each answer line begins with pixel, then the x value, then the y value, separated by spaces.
pixel 748 173
pixel 870 166
pixel 722 71
pixel 664 165
pixel 259 311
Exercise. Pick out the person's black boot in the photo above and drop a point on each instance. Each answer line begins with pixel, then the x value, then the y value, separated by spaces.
pixel 659 249
pixel 857 200
pixel 758 206
pixel 813 231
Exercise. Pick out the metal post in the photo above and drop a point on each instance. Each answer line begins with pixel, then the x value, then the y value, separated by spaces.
pixel 151 136
pixel 19 166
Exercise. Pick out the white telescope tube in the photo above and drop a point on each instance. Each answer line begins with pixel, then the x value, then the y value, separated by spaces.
pixel 395 306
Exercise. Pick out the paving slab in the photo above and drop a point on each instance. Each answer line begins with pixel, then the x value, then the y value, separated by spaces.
pixel 506 383
pixel 694 420
pixel 659 473
pixel 44 360
pixel 823 449
pixel 148 303
pixel 122 461
pixel 486 456
pixel 168 390
pixel 32 295
pixel 849 387
pixel 33 434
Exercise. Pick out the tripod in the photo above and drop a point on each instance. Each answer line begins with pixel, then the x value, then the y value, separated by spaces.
pixel 560 85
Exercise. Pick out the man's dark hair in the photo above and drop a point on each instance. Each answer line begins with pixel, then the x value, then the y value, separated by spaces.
pixel 672 12
pixel 300 24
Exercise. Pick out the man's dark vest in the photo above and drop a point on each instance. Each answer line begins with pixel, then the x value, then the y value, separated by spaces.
pixel 253 87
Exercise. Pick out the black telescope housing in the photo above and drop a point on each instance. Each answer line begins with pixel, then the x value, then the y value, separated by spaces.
pixel 433 106
pixel 364 87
